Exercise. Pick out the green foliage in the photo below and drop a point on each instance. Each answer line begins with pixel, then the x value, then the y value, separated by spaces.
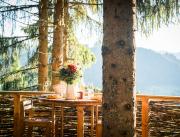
pixel 152 14
pixel 15 49
pixel 31 30
pixel 84 56
pixel 77 52
pixel 14 76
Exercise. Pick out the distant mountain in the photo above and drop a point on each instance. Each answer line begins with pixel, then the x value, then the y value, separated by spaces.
pixel 177 55
pixel 156 73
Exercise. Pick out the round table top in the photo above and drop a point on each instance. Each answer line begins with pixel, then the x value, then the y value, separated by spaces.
pixel 76 102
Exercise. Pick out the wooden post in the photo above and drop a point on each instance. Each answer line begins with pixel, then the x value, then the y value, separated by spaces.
pixel 145 111
pixel 97 110
pixel 80 121
pixel 17 112
pixel 62 121
pixel 92 121
pixel 53 119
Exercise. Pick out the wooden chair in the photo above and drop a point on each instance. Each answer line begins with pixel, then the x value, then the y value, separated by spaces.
pixel 32 121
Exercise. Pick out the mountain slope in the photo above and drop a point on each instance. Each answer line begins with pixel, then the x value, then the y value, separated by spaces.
pixel 177 55
pixel 156 74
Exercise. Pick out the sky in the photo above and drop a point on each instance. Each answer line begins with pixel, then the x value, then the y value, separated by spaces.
pixel 166 39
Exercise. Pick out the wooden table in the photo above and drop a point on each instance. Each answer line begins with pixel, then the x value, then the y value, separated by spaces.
pixel 17 111
pixel 79 104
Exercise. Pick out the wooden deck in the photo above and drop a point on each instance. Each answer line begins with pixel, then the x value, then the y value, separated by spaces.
pixel 156 116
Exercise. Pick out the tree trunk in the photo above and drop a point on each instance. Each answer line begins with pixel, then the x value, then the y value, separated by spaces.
pixel 57 51
pixel 43 45
pixel 118 69
pixel 66 22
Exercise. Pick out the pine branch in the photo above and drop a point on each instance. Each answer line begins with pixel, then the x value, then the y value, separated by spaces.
pixel 20 9
pixel 34 1
pixel 16 20
pixel 89 18
pixel 30 87
pixel 82 3
pixel 15 72
pixel 28 38
pixel 15 8
pixel 13 37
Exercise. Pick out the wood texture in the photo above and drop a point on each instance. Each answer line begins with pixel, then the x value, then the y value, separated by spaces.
pixel 79 104
pixel 163 115
pixel 62 121
pixel 92 121
pixel 145 112
pixel 32 121
pixel 17 119
pixel 53 119
pixel 99 129
pixel 66 27
pixel 43 46
pixel 57 50
pixel 17 95
pixel 118 53
pixel 80 121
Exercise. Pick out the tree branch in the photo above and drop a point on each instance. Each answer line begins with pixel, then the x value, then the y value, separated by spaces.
pixel 28 38
pixel 20 9
pixel 15 72
pixel 14 37
pixel 82 3
pixel 88 17
pixel 16 20
pixel 34 86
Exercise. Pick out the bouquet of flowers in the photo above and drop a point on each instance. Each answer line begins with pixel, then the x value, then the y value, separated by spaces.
pixel 70 74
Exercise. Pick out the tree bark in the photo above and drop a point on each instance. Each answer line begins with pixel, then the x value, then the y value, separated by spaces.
pixel 57 51
pixel 43 45
pixel 118 52
pixel 66 22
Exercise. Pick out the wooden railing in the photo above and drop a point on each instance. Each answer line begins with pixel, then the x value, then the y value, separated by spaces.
pixel 145 99
pixel 145 104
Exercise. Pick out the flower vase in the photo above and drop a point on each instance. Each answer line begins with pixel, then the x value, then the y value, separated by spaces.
pixel 60 88
pixel 71 91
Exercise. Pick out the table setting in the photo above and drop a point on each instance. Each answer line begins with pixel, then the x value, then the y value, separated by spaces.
pixel 68 87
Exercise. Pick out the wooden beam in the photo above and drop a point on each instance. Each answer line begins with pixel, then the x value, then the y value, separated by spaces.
pixel 92 121
pixel 158 98
pixel 80 121
pixel 17 112
pixel 53 118
pixel 62 121
pixel 145 118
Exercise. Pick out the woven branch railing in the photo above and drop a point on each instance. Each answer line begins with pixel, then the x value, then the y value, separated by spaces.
pixel 160 115
pixel 157 116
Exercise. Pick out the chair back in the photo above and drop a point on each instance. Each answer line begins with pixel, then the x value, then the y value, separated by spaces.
pixel 26 105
